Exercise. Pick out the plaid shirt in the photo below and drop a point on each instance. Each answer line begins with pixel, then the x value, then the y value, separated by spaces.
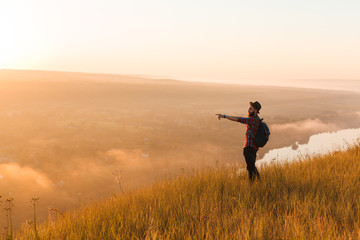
pixel 251 129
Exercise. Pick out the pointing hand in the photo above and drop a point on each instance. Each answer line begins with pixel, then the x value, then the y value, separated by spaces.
pixel 220 115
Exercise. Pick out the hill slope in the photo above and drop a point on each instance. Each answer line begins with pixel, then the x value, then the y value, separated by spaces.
pixel 316 198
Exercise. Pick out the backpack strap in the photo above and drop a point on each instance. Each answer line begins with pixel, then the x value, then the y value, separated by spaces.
pixel 254 134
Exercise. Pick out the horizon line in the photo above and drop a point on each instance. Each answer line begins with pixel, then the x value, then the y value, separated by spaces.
pixel 243 82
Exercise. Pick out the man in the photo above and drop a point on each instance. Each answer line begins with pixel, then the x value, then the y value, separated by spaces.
pixel 250 149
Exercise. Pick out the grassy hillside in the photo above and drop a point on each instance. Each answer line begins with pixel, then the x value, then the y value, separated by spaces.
pixel 316 198
pixel 63 134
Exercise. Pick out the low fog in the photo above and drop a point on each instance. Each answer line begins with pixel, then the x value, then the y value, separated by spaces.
pixel 73 138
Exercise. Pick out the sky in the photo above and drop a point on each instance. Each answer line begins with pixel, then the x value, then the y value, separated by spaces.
pixel 228 40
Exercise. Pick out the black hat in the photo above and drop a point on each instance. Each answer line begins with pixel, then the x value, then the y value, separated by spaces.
pixel 256 105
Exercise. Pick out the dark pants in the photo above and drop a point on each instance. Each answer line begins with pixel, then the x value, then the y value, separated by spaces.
pixel 250 157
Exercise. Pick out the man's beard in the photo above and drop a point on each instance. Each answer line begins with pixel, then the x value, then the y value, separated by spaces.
pixel 251 114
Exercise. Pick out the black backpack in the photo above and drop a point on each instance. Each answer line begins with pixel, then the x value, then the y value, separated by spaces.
pixel 262 134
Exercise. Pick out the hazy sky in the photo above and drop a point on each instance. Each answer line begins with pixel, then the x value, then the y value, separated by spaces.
pixel 225 40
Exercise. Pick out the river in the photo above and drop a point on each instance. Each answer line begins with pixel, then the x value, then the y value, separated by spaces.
pixel 319 144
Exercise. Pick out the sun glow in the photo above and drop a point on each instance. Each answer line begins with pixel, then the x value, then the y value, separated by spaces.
pixel 5 48
pixel 15 35
pixel 5 54
pixel 7 40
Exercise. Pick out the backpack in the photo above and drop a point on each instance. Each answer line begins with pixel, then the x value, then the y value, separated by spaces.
pixel 262 134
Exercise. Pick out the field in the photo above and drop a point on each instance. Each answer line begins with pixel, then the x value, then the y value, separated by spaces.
pixel 71 139
pixel 310 199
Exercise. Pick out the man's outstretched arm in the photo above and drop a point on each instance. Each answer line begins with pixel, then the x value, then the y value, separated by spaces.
pixel 232 118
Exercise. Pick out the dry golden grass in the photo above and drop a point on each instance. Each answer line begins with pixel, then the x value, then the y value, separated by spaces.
pixel 317 198
pixel 65 133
